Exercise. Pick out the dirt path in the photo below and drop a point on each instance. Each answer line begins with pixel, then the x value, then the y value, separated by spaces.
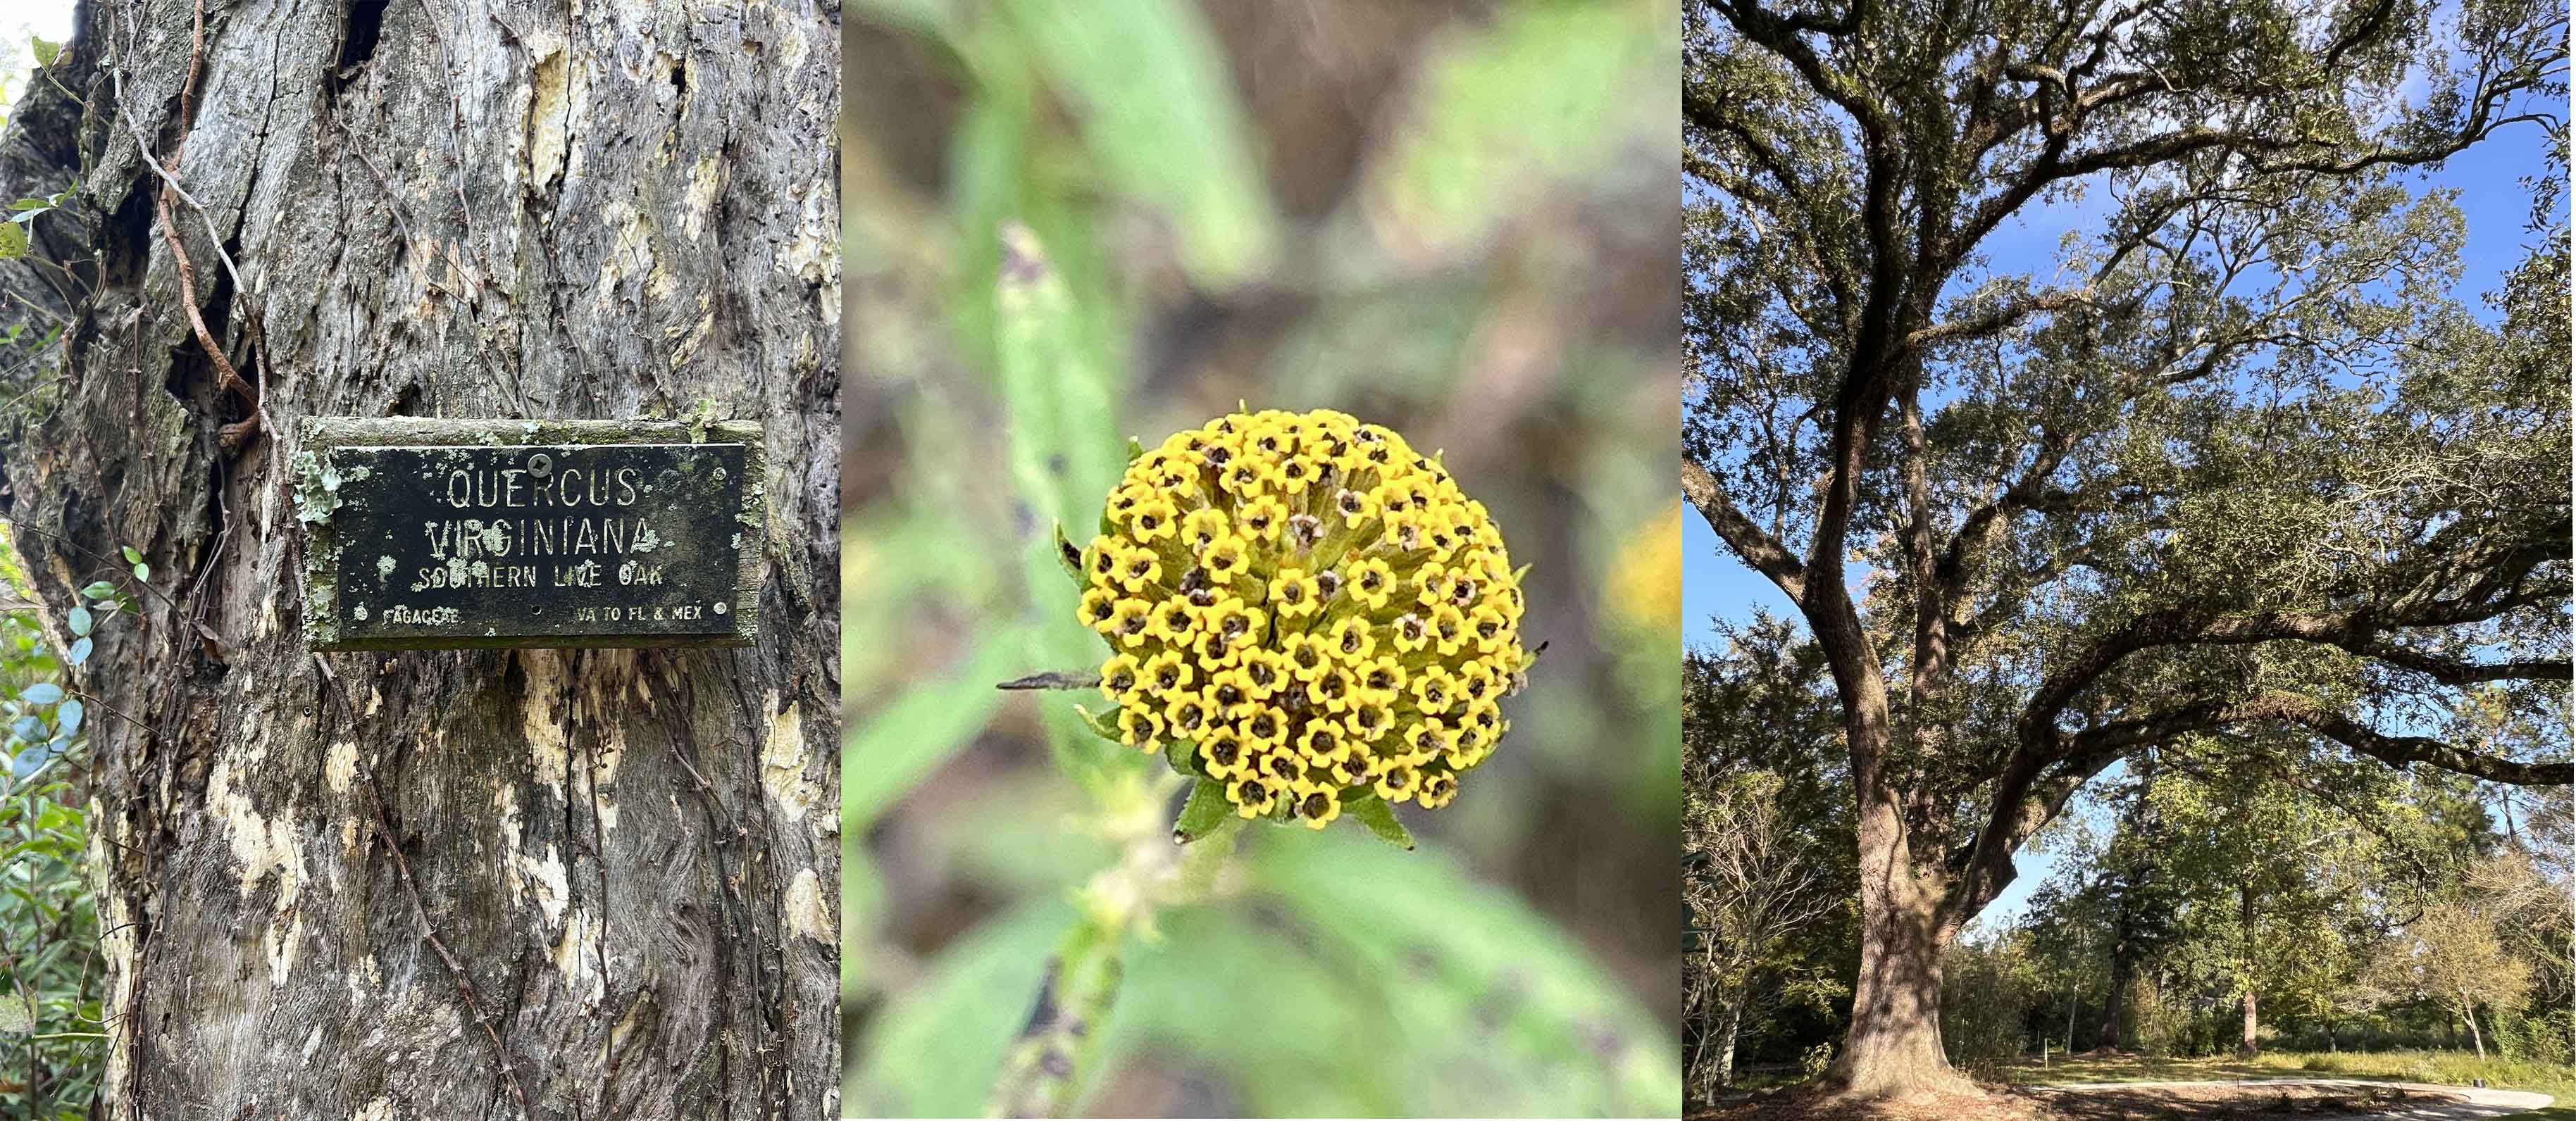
pixel 2454 1103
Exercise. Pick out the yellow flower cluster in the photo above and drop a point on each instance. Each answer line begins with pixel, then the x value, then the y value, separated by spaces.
pixel 1314 608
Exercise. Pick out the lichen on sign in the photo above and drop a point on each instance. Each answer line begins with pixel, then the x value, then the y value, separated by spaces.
pixel 429 534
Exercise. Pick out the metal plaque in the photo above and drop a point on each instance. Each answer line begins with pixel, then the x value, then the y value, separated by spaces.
pixel 425 534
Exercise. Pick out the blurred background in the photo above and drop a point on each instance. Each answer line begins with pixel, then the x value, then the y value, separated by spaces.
pixel 1454 219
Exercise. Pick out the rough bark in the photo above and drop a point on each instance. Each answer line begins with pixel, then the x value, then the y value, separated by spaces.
pixel 1893 1047
pixel 538 883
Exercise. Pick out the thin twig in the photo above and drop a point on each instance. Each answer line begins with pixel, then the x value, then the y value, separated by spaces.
pixel 233 435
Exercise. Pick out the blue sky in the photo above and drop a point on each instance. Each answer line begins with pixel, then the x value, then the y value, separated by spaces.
pixel 2487 178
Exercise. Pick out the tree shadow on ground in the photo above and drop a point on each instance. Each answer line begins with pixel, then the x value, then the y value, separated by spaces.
pixel 2193 1103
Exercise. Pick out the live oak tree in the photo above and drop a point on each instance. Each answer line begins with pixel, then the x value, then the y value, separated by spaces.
pixel 2235 460
pixel 540 883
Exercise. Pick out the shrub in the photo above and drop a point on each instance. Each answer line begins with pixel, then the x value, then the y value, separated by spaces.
pixel 1985 1005
pixel 2548 1038
pixel 1816 1059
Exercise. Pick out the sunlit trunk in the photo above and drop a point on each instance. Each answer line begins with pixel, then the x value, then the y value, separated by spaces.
pixel 1730 1018
pixel 1894 1046
pixel 2247 1046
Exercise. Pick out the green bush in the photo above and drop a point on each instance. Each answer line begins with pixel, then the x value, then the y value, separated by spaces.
pixel 2548 1038
pixel 1816 1059
pixel 52 1028
pixel 1985 1004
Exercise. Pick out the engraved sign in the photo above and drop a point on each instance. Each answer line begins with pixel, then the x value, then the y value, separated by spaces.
pixel 439 533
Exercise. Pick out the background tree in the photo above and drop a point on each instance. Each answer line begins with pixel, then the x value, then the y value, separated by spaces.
pixel 2241 463
pixel 2267 859
pixel 1766 871
pixel 2450 955
pixel 1755 883
pixel 538 883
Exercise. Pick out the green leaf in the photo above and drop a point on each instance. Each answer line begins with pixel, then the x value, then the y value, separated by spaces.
pixel 79 653
pixel 78 620
pixel 1160 116
pixel 1203 813
pixel 46 50
pixel 1370 810
pixel 1431 947
pixel 41 693
pixel 143 572
pixel 14 1017
pixel 133 555
pixel 100 590
pixel 69 716
pixel 1183 756
pixel 907 738
pixel 937 1045
pixel 1135 448
pixel 1062 436
pixel 13 241
pixel 1102 724
pixel 1069 556
pixel 1535 98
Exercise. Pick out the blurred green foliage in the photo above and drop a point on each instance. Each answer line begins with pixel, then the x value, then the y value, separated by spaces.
pixel 1070 224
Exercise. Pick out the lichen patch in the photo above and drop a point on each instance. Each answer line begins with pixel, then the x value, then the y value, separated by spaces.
pixel 806 912
pixel 706 181
pixel 264 846
pixel 545 876
pixel 782 764
pixel 549 127
pixel 340 766
pixel 548 738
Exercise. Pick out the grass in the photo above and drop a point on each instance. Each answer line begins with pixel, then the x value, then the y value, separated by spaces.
pixel 2448 1068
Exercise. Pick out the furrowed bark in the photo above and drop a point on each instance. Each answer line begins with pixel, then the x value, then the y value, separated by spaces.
pixel 1893 1047
pixel 454 884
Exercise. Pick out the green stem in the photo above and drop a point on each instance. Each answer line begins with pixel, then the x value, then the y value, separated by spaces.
pixel 1044 1067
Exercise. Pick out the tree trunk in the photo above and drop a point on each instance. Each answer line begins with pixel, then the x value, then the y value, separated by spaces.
pixel 1730 1019
pixel 451 884
pixel 1893 1048
pixel 2247 1046
pixel 2469 1012
pixel 2115 1008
